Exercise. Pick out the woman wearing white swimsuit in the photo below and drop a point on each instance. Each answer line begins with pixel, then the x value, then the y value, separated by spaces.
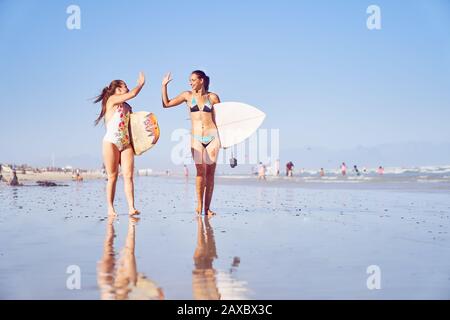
pixel 117 148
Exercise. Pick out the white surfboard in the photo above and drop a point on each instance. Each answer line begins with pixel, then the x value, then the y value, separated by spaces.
pixel 236 122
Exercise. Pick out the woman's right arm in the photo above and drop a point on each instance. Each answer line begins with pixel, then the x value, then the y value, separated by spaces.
pixel 166 102
pixel 120 98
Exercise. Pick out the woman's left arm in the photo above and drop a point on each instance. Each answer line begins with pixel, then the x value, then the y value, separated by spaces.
pixel 214 98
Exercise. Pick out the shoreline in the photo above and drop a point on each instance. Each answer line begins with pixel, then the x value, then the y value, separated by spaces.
pixel 351 183
pixel 51 176
pixel 407 184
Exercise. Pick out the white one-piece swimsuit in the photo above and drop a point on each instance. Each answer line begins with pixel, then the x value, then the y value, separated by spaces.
pixel 117 127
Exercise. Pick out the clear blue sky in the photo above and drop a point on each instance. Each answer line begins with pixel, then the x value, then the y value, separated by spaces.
pixel 320 75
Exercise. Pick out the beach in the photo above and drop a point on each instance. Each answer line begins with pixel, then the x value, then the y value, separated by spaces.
pixel 315 130
pixel 274 239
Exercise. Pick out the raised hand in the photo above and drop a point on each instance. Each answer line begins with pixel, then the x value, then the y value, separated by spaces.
pixel 141 79
pixel 166 79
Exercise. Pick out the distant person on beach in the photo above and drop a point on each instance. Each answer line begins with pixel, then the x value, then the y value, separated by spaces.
pixel 277 167
pixel 205 143
pixel 117 147
pixel 289 168
pixel 261 171
pixel 322 172
pixel 343 169
pixel 186 171
pixel 77 176
pixel 380 170
pixel 14 181
pixel 355 169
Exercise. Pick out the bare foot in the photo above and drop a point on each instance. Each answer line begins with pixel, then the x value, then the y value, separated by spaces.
pixel 134 220
pixel 111 218
pixel 112 212
pixel 133 212
pixel 209 212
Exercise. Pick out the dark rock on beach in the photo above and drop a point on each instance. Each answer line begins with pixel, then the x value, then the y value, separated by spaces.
pixel 45 183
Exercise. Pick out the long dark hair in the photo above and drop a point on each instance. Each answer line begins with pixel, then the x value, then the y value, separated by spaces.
pixel 203 76
pixel 104 96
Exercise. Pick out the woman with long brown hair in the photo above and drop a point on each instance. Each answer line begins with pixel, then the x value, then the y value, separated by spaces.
pixel 117 147
pixel 205 142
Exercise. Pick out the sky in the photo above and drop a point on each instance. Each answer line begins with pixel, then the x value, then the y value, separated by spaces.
pixel 324 80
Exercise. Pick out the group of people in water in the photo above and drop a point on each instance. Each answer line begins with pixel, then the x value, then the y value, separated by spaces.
pixel 261 171
pixel 355 170
pixel 117 148
pixel 262 168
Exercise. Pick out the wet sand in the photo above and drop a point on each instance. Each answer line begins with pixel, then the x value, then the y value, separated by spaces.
pixel 269 240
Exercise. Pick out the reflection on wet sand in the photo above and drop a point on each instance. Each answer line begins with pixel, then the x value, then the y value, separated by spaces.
pixel 207 283
pixel 119 280
pixel 204 281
